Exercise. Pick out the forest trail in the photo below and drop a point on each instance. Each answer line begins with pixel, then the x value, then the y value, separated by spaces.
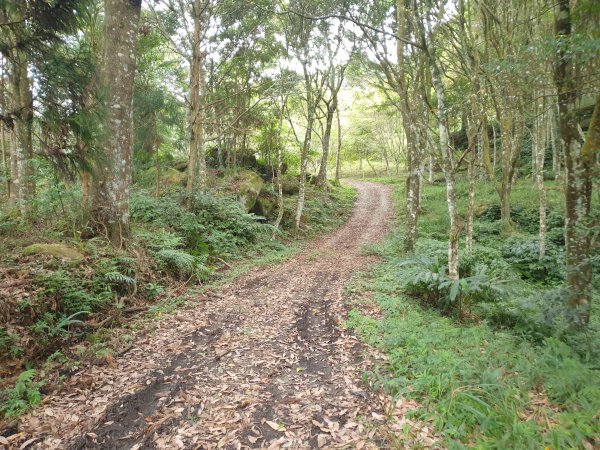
pixel 263 363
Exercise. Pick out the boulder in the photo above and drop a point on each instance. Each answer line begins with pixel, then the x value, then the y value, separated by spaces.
pixel 58 250
pixel 266 205
pixel 173 176
pixel 168 175
pixel 250 185
pixel 290 185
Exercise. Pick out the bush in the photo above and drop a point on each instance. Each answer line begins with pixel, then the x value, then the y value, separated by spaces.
pixel 522 253
pixel 426 277
pixel 69 294
pixel 215 225
pixel 545 315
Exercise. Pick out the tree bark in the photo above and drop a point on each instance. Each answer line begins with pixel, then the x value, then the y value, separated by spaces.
pixel 579 166
pixel 339 146
pixel 445 150
pixel 538 148
pixel 21 101
pixel 112 181
pixel 409 122
pixel 279 144
pixel 472 136
pixel 322 175
pixel 310 105
pixel 197 159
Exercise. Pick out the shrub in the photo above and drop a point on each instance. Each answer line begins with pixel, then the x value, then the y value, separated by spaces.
pixel 543 315
pixel 166 249
pixel 522 253
pixel 71 294
pixel 426 277
pixel 215 225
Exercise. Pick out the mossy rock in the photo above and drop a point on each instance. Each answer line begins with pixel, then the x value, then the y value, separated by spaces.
pixel 250 186
pixel 290 185
pixel 481 209
pixel 57 250
pixel 173 176
pixel 266 205
pixel 168 175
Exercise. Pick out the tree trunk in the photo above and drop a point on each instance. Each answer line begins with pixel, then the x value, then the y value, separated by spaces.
pixel 6 163
pixel 472 136
pixel 413 153
pixel 446 151
pixel 579 165
pixel 387 163
pixel 111 188
pixel 448 173
pixel 339 146
pixel 197 159
pixel 310 106
pixel 22 105
pixel 556 165
pixel 431 160
pixel 279 144
pixel 538 150
pixel 322 176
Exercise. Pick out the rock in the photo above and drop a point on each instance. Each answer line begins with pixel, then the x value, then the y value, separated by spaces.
pixel 180 166
pixel 481 209
pixel 290 185
pixel 250 185
pixel 168 175
pixel 57 250
pixel 173 176
pixel 265 206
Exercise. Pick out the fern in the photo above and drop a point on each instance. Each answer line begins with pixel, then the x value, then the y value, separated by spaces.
pixel 23 395
pixel 119 278
pixel 177 259
pixel 426 277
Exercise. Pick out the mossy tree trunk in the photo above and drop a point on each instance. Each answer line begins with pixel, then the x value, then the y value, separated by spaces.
pixel 580 165
pixel 409 97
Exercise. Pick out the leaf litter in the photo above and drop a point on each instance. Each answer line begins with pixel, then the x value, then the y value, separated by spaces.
pixel 264 363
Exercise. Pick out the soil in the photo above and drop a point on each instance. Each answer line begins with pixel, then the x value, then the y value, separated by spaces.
pixel 263 363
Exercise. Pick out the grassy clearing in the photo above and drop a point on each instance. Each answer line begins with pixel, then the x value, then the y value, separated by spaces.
pixel 504 375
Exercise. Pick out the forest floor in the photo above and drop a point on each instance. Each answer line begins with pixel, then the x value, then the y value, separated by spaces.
pixel 263 362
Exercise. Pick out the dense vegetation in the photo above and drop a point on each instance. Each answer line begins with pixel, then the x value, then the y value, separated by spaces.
pixel 492 359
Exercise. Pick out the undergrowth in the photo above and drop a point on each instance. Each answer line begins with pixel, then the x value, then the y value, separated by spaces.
pixel 492 358
pixel 62 307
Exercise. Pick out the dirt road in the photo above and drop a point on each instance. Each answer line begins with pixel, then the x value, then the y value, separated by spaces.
pixel 264 363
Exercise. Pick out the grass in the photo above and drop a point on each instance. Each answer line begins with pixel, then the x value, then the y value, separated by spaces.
pixel 483 383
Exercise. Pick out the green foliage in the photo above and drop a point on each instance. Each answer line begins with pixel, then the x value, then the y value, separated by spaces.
pixel 215 225
pixel 517 374
pixel 25 394
pixel 425 277
pixel 70 293
pixel 51 326
pixel 523 254
pixel 478 384
pixel 9 344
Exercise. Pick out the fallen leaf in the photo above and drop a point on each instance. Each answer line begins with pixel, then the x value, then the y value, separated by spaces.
pixel 276 426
